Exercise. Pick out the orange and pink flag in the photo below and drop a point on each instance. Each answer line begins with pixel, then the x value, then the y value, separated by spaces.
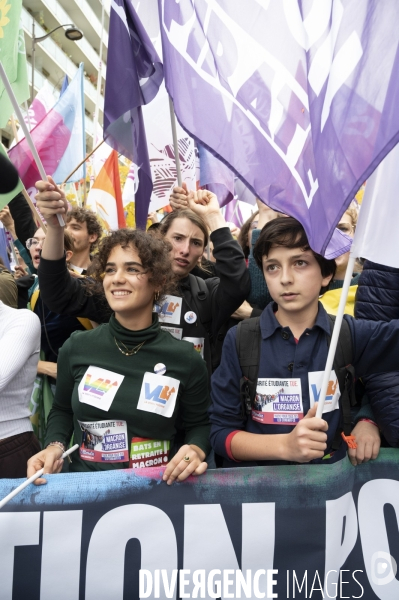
pixel 105 196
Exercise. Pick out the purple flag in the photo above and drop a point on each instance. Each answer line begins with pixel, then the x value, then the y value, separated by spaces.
pixel 215 176
pixel 299 97
pixel 134 74
pixel 232 213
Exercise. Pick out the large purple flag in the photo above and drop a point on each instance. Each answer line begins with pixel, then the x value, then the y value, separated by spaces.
pixel 134 74
pixel 215 176
pixel 299 97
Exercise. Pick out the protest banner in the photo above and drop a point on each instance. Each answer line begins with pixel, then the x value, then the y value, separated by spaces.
pixel 297 531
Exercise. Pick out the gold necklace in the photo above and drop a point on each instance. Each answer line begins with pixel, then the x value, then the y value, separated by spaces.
pixel 128 352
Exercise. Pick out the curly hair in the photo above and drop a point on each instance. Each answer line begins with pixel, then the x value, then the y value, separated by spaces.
pixel 153 253
pixel 84 215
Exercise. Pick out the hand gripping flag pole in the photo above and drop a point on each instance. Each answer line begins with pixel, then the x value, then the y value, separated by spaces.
pixel 38 474
pixel 354 252
pixel 25 129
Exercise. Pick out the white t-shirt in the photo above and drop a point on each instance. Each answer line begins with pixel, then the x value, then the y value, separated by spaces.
pixel 19 355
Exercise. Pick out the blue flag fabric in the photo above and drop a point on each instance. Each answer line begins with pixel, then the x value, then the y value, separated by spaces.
pixel 64 85
pixel 299 97
pixel 134 74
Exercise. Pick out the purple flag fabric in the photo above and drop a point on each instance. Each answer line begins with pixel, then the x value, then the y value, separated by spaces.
pixel 299 97
pixel 134 74
pixel 232 213
pixel 215 176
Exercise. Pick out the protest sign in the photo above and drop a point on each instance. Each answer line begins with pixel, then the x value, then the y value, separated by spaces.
pixel 291 531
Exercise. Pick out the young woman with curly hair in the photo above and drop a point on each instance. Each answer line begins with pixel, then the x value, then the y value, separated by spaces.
pixel 122 387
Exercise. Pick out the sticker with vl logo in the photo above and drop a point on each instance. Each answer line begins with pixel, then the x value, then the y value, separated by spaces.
pixel 170 310
pixel 158 394
pixel 98 387
pixel 333 394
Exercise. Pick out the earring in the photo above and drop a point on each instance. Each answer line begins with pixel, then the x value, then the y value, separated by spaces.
pixel 156 297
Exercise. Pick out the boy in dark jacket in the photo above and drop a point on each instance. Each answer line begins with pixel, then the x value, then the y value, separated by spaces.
pixel 295 333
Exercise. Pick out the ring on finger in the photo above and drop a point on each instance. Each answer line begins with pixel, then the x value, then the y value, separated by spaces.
pixel 186 459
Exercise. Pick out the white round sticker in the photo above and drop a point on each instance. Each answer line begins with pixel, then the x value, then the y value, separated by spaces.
pixel 190 317
pixel 159 369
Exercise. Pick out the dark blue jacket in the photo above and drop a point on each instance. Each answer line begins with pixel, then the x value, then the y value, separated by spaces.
pixel 378 299
pixel 375 348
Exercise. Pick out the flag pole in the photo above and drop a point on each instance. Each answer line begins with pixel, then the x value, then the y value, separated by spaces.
pixel 354 252
pixel 25 129
pixel 175 145
pixel 82 161
pixel 336 329
pixel 96 109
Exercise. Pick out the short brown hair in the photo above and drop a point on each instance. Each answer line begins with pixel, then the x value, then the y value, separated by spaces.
pixel 153 253
pixel 84 215
pixel 68 242
pixel 184 213
pixel 289 233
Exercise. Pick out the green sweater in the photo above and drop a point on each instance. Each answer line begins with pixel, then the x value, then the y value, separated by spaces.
pixel 97 348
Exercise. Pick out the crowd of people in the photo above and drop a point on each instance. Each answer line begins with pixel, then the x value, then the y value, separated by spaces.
pixel 185 346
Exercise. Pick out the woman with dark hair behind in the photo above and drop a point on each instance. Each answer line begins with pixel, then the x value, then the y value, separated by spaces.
pixel 125 384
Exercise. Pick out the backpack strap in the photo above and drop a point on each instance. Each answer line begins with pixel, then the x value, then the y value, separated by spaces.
pixel 200 296
pixel 248 340
pixel 346 378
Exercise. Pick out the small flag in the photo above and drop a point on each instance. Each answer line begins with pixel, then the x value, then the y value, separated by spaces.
pixel 105 196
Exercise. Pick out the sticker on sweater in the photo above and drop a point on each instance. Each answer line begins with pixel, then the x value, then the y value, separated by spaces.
pixel 333 393
pixel 170 310
pixel 190 317
pixel 104 441
pixel 198 344
pixel 278 402
pixel 148 453
pixel 98 387
pixel 158 394
pixel 177 332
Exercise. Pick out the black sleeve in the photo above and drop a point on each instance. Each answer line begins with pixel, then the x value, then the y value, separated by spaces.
pixel 67 295
pixel 25 226
pixel 234 285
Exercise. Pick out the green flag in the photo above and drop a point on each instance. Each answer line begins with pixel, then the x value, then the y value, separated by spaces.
pixel 6 198
pixel 12 57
